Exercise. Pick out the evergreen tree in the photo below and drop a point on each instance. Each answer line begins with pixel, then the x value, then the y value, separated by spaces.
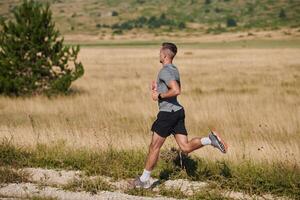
pixel 33 59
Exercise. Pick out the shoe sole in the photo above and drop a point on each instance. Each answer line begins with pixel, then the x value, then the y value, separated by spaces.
pixel 221 141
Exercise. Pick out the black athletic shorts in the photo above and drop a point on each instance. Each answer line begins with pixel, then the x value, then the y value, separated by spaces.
pixel 168 123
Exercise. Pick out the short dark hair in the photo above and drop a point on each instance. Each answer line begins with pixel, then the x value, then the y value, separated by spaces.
pixel 171 46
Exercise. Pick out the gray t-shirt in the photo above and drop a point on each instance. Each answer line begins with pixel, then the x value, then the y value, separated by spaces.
pixel 167 73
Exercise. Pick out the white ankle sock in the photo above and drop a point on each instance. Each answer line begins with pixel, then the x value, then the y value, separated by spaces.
pixel 205 141
pixel 145 176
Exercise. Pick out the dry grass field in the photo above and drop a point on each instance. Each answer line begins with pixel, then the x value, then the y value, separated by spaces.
pixel 250 95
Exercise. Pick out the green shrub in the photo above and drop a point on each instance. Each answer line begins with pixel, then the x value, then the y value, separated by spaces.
pixel 114 13
pixel 231 22
pixel 282 14
pixel 181 25
pixel 207 1
pixel 152 22
pixel 33 59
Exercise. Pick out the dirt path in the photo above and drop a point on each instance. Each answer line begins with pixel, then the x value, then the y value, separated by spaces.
pixel 27 190
pixel 49 183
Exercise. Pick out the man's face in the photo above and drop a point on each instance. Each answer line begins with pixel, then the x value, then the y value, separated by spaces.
pixel 161 55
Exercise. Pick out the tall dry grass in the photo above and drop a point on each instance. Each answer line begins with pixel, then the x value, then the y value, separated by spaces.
pixel 250 95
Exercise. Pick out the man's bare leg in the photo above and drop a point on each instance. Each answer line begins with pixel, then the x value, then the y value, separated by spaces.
pixel 153 154
pixel 188 146
pixel 154 148
pixel 185 145
pixel 144 180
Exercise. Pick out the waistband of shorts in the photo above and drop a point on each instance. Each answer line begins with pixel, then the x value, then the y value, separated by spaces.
pixel 171 111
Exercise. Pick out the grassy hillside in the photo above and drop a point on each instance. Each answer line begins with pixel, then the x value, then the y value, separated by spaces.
pixel 208 16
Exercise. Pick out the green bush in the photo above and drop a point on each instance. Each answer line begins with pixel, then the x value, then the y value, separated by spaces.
pixel 231 22
pixel 33 59
pixel 114 13
pixel 152 22
pixel 207 1
pixel 282 14
pixel 181 25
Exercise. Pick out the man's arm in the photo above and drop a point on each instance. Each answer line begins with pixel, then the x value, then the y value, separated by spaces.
pixel 174 90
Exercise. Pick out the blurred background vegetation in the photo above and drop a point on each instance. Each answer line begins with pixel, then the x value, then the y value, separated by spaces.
pixel 207 16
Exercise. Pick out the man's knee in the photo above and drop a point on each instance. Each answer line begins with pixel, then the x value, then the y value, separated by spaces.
pixel 156 143
pixel 154 146
pixel 185 148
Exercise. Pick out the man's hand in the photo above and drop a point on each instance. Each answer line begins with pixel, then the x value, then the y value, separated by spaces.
pixel 154 85
pixel 154 92
pixel 154 95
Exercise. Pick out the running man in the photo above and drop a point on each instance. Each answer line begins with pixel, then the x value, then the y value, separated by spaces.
pixel 170 119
